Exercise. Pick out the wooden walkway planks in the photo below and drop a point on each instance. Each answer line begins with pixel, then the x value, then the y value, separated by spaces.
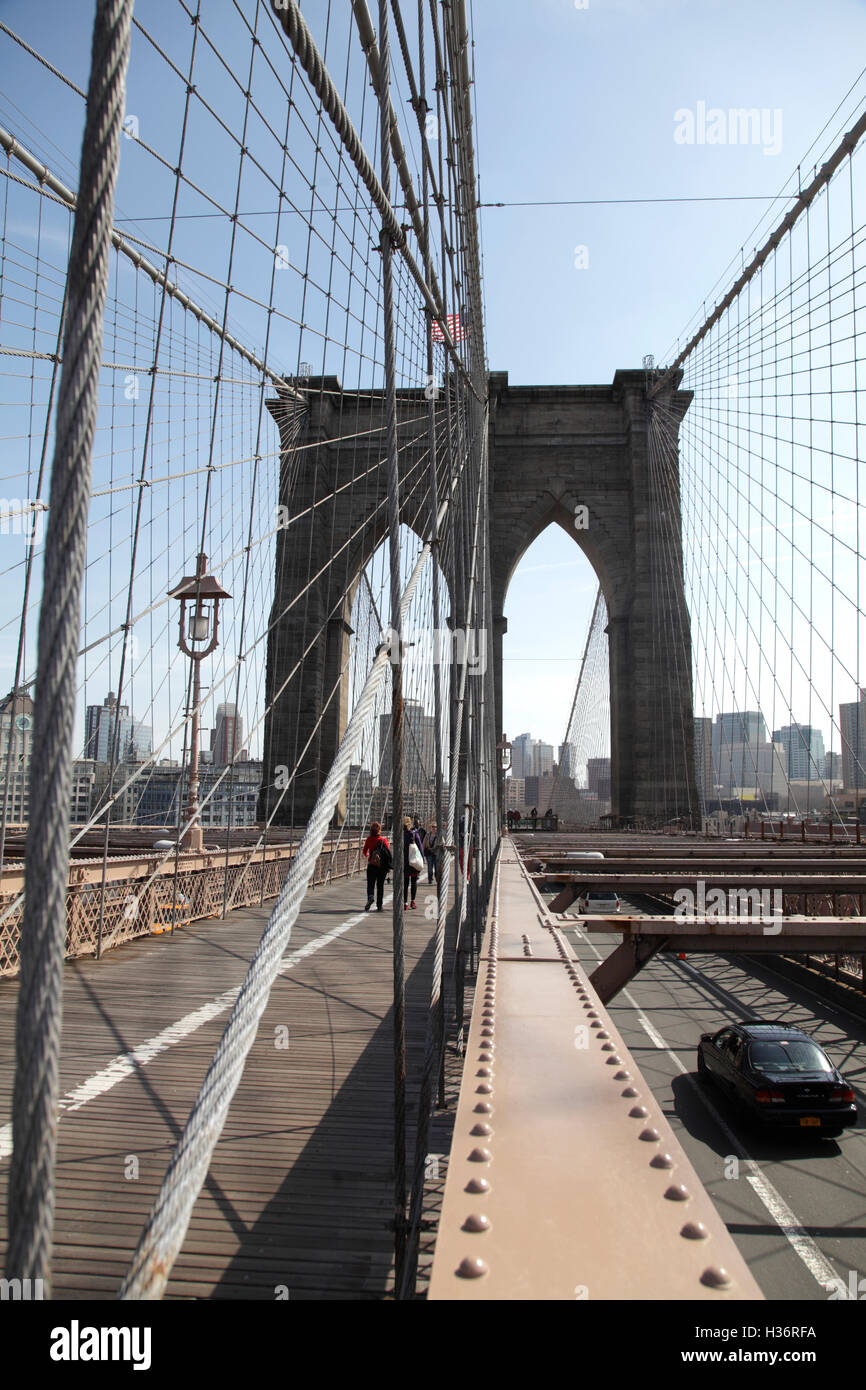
pixel 299 1199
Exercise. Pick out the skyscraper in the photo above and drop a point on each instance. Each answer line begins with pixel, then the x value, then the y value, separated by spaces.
pixel 738 738
pixel 419 747
pixel 359 795
pixel 530 757
pixel 598 777
pixel 134 737
pixel 228 736
pixel 704 759
pixel 543 757
pixel 852 724
pixel 521 756
pixel 804 747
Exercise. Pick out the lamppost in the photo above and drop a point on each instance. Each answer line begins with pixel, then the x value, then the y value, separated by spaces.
pixel 197 640
pixel 503 748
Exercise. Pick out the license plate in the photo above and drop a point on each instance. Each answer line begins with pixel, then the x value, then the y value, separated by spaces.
pixel 810 1120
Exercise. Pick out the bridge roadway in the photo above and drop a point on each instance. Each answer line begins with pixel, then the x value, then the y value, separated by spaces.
pixel 796 1208
pixel 299 1199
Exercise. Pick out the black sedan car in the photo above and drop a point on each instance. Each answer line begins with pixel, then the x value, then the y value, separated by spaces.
pixel 779 1075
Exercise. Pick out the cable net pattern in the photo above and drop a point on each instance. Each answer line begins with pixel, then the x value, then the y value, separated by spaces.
pixel 580 795
pixel 767 484
pixel 249 381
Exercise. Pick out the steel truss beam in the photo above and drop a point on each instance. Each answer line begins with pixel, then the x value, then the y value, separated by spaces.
pixel 565 1180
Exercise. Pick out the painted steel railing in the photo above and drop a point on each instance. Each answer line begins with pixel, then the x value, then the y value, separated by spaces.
pixel 140 896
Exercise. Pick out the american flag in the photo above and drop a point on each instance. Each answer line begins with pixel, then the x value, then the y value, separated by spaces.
pixel 455 328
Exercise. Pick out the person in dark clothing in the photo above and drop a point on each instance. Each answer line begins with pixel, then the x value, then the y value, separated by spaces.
pixel 411 871
pixel 432 844
pixel 377 853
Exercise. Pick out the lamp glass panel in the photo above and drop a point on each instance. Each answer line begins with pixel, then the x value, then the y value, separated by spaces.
pixel 199 624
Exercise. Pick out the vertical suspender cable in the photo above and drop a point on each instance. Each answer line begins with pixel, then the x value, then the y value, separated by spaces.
pixel 435 1031
pixel 43 935
pixel 396 667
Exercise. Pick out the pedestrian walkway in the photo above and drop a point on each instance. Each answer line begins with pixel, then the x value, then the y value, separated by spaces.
pixel 299 1199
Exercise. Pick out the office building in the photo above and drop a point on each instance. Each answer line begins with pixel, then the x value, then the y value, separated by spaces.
pixel 81 796
pixel 531 757
pixel 134 737
pixel 515 793
pixel 804 751
pixel 16 746
pixel 521 754
pixel 704 759
pixel 852 724
pixel 598 777
pixel 228 736
pixel 359 795
pixel 419 747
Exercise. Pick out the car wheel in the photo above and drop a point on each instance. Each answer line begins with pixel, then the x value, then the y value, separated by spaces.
pixel 831 1133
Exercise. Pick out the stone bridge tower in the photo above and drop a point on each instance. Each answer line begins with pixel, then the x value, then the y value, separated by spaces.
pixel 553 449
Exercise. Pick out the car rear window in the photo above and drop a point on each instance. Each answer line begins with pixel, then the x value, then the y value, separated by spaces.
pixel 788 1055
pixel 601 897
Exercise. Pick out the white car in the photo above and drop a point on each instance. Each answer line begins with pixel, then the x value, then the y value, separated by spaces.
pixel 602 901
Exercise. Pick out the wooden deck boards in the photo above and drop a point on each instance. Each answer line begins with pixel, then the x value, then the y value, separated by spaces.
pixel 300 1192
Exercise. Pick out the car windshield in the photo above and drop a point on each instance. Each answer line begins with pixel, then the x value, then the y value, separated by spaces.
pixel 788 1054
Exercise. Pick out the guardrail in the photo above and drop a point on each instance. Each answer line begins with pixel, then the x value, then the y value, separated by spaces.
pixel 138 895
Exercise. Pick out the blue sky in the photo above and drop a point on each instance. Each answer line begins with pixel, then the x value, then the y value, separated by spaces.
pixel 580 104
pixel 572 103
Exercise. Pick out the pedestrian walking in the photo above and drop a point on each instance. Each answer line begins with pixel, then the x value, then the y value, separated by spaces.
pixel 377 853
pixel 413 861
pixel 431 845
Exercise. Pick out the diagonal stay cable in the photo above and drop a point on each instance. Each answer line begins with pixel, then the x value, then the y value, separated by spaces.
pixel 170 1214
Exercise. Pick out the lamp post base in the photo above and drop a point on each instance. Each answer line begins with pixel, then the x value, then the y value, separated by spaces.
pixel 193 839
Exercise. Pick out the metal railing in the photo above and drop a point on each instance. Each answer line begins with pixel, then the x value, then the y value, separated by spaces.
pixel 140 902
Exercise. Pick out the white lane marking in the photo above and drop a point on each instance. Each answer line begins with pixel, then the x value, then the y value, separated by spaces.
pixel 801 1243
pixel 128 1062
pixel 654 1036
pixel 805 1247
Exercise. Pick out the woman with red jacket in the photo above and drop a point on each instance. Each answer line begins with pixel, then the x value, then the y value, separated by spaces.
pixel 377 853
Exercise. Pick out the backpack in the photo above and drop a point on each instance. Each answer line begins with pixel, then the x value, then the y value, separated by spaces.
pixel 380 856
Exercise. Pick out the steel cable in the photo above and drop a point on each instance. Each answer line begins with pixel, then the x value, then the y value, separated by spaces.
pixel 34 1116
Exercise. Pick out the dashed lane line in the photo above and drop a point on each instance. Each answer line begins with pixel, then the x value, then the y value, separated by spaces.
pixel 127 1063
pixel 773 1202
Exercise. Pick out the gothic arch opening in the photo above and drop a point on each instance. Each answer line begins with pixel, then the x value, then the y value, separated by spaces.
pixel 556 679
